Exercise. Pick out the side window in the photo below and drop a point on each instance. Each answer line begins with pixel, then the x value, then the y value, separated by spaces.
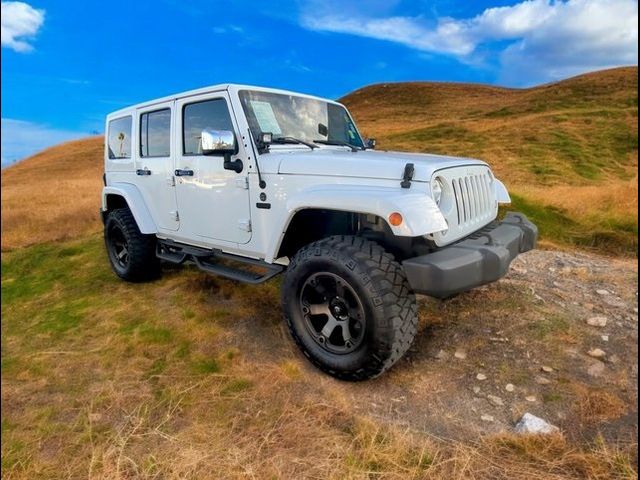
pixel 119 143
pixel 155 133
pixel 207 115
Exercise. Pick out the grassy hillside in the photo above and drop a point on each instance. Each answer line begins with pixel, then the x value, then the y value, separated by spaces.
pixel 568 151
pixel 53 195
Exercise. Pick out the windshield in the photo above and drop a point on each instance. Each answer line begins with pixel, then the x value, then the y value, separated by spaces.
pixel 290 116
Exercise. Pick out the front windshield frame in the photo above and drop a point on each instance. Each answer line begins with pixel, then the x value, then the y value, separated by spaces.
pixel 342 131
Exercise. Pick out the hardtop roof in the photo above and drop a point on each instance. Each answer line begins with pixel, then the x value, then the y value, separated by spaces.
pixel 209 89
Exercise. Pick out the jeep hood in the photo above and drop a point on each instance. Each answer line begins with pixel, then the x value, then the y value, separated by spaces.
pixel 365 164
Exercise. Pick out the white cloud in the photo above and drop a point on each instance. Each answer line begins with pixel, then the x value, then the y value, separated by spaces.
pixel 545 39
pixel 20 22
pixel 21 139
pixel 228 29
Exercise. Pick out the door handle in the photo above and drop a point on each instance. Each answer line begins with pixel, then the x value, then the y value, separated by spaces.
pixel 183 173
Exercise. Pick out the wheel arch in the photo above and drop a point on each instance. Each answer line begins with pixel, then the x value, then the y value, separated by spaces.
pixel 127 195
pixel 420 213
pixel 308 225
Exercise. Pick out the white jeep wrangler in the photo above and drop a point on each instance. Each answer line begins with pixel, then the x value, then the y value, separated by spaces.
pixel 250 182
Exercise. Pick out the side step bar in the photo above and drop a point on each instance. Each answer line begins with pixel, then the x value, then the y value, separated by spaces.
pixel 209 261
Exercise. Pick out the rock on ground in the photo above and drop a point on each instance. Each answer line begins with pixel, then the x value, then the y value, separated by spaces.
pixel 597 321
pixel 531 424
pixel 597 353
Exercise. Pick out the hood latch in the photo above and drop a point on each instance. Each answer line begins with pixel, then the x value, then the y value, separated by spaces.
pixel 407 176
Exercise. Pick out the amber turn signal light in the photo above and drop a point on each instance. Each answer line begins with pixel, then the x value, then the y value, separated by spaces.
pixel 395 219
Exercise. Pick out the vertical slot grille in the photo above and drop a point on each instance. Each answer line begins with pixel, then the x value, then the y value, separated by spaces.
pixel 473 198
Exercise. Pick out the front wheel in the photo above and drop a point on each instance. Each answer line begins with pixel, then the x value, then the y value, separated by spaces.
pixel 349 307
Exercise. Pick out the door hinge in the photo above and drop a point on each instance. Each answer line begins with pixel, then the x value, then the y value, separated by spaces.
pixel 171 181
pixel 244 225
pixel 242 182
pixel 174 214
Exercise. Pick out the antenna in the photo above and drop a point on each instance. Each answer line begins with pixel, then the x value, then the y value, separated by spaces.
pixel 261 182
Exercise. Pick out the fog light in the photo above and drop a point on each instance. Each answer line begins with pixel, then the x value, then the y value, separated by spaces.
pixel 395 219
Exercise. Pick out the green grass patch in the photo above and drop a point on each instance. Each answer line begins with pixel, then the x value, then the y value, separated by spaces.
pixel 14 454
pixel 63 317
pixel 546 326
pixel 151 334
pixel 236 386
pixel 565 145
pixel 445 138
pixel 204 366
pixel 219 314
pixel 501 112
pixel 611 234
pixel 183 350
pixel 551 397
pixel 157 367
pixel 8 364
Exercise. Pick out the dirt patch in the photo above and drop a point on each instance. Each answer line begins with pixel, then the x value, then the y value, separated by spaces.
pixel 527 339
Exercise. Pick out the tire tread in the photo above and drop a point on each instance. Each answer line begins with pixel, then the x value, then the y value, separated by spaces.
pixel 398 300
pixel 144 265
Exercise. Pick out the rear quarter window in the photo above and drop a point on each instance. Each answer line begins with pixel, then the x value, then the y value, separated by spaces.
pixel 119 138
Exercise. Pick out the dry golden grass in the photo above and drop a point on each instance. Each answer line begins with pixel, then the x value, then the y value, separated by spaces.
pixel 613 198
pixel 54 195
pixel 301 443
pixel 193 376
pixel 598 405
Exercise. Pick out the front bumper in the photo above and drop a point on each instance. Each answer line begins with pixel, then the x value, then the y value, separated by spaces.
pixel 481 258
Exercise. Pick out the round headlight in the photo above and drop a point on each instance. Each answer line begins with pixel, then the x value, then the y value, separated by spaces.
pixel 436 190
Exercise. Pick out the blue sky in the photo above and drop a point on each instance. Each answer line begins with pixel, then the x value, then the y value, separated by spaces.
pixel 65 64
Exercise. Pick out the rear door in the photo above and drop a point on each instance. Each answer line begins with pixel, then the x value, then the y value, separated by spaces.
pixel 213 202
pixel 155 160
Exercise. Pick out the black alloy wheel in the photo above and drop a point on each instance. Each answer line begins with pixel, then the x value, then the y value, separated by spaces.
pixel 333 312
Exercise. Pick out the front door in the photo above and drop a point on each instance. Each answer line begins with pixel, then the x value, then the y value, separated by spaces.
pixel 213 202
pixel 154 164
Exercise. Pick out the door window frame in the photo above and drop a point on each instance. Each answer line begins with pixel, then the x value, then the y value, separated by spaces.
pixel 171 106
pixel 219 95
pixel 171 122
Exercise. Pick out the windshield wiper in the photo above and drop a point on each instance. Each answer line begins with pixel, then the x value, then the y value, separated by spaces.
pixel 294 140
pixel 338 143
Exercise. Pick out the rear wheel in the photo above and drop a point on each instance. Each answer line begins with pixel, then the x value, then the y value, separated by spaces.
pixel 348 307
pixel 132 254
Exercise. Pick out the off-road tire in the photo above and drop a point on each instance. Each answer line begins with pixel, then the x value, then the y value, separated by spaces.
pixel 142 263
pixel 391 312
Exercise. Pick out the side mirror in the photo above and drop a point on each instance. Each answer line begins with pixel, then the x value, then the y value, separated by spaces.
pixel 218 142
pixel 221 142
pixel 370 143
